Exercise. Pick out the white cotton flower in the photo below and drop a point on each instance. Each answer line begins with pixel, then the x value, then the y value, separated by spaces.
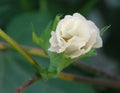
pixel 75 36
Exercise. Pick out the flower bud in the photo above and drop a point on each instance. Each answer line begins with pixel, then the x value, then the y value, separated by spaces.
pixel 75 36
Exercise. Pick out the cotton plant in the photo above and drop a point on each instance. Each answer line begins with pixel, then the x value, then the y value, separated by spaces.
pixel 64 41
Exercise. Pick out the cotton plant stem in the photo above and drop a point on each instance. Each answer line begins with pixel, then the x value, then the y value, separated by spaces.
pixel 39 52
pixel 34 79
pixel 30 50
pixel 4 46
pixel 93 69
pixel 71 77
pixel 94 81
pixel 25 54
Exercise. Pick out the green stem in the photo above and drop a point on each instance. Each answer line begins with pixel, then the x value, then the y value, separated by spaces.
pixel 30 50
pixel 20 50
pixel 92 69
pixel 94 81
pixel 109 83
pixel 43 5
pixel 34 79
pixel 84 66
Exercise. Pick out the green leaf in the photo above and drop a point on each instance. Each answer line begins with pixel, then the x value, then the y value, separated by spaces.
pixel 104 29
pixel 60 86
pixel 13 71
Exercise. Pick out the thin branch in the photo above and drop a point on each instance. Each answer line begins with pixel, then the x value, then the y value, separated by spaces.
pixel 71 77
pixel 95 81
pixel 4 46
pixel 39 52
pixel 93 69
pixel 24 53
pixel 35 78
pixel 31 50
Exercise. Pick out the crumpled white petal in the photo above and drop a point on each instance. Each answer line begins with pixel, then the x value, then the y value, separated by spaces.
pixel 74 46
pixel 75 36
pixel 79 16
pixel 96 35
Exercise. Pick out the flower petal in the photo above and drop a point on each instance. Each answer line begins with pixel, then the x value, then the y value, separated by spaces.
pixel 75 36
pixel 97 37
pixel 79 16
pixel 74 47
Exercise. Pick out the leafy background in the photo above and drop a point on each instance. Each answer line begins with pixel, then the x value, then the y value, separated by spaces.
pixel 17 18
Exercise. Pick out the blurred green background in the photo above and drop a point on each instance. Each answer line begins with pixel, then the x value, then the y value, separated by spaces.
pixel 17 18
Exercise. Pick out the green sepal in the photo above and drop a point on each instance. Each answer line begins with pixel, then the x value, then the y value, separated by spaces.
pixel 56 20
pixel 58 62
pixel 90 53
pixel 43 39
pixel 104 29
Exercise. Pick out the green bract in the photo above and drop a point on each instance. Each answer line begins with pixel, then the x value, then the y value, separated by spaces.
pixel 104 29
